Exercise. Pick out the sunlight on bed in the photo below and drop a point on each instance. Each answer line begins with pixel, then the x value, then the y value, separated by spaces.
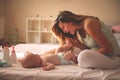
pixel 20 55
pixel 21 49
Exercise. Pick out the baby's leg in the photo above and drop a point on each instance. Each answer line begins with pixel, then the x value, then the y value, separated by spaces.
pixel 70 57
pixel 93 59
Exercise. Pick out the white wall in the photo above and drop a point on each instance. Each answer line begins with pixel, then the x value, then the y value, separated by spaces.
pixel 2 19
pixel 18 10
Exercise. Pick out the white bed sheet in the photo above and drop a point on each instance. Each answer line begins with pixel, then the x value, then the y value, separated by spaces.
pixel 62 72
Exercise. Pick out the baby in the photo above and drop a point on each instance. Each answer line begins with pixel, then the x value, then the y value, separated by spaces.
pixel 63 55
pixel 47 61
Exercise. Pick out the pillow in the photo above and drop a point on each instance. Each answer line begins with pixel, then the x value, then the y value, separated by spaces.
pixel 116 28
pixel 117 36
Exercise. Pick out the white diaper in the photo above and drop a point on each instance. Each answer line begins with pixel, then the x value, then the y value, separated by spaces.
pixel 62 60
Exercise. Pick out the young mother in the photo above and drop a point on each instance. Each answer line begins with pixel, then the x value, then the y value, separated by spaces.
pixel 97 42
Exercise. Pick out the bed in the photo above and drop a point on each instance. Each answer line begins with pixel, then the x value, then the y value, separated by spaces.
pixel 62 72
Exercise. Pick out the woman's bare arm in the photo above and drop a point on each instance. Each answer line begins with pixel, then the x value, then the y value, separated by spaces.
pixel 78 44
pixel 93 28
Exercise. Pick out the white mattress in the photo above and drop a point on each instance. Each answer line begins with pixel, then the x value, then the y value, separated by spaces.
pixel 62 72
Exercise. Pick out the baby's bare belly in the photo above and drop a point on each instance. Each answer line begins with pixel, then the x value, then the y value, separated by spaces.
pixel 51 58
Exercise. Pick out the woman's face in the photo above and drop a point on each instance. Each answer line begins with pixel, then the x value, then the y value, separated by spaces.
pixel 67 27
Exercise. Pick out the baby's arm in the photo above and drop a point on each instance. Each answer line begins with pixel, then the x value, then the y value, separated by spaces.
pixel 48 66
pixel 65 47
pixel 52 51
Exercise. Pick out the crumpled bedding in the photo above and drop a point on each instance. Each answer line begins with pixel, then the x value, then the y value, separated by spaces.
pixel 63 72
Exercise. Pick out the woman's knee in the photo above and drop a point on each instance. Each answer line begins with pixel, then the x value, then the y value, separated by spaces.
pixel 86 55
pixel 83 55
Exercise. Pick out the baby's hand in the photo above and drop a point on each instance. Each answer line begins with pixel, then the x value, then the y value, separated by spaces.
pixel 48 67
pixel 45 68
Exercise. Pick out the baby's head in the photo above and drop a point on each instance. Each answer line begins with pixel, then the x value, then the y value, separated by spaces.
pixel 31 60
